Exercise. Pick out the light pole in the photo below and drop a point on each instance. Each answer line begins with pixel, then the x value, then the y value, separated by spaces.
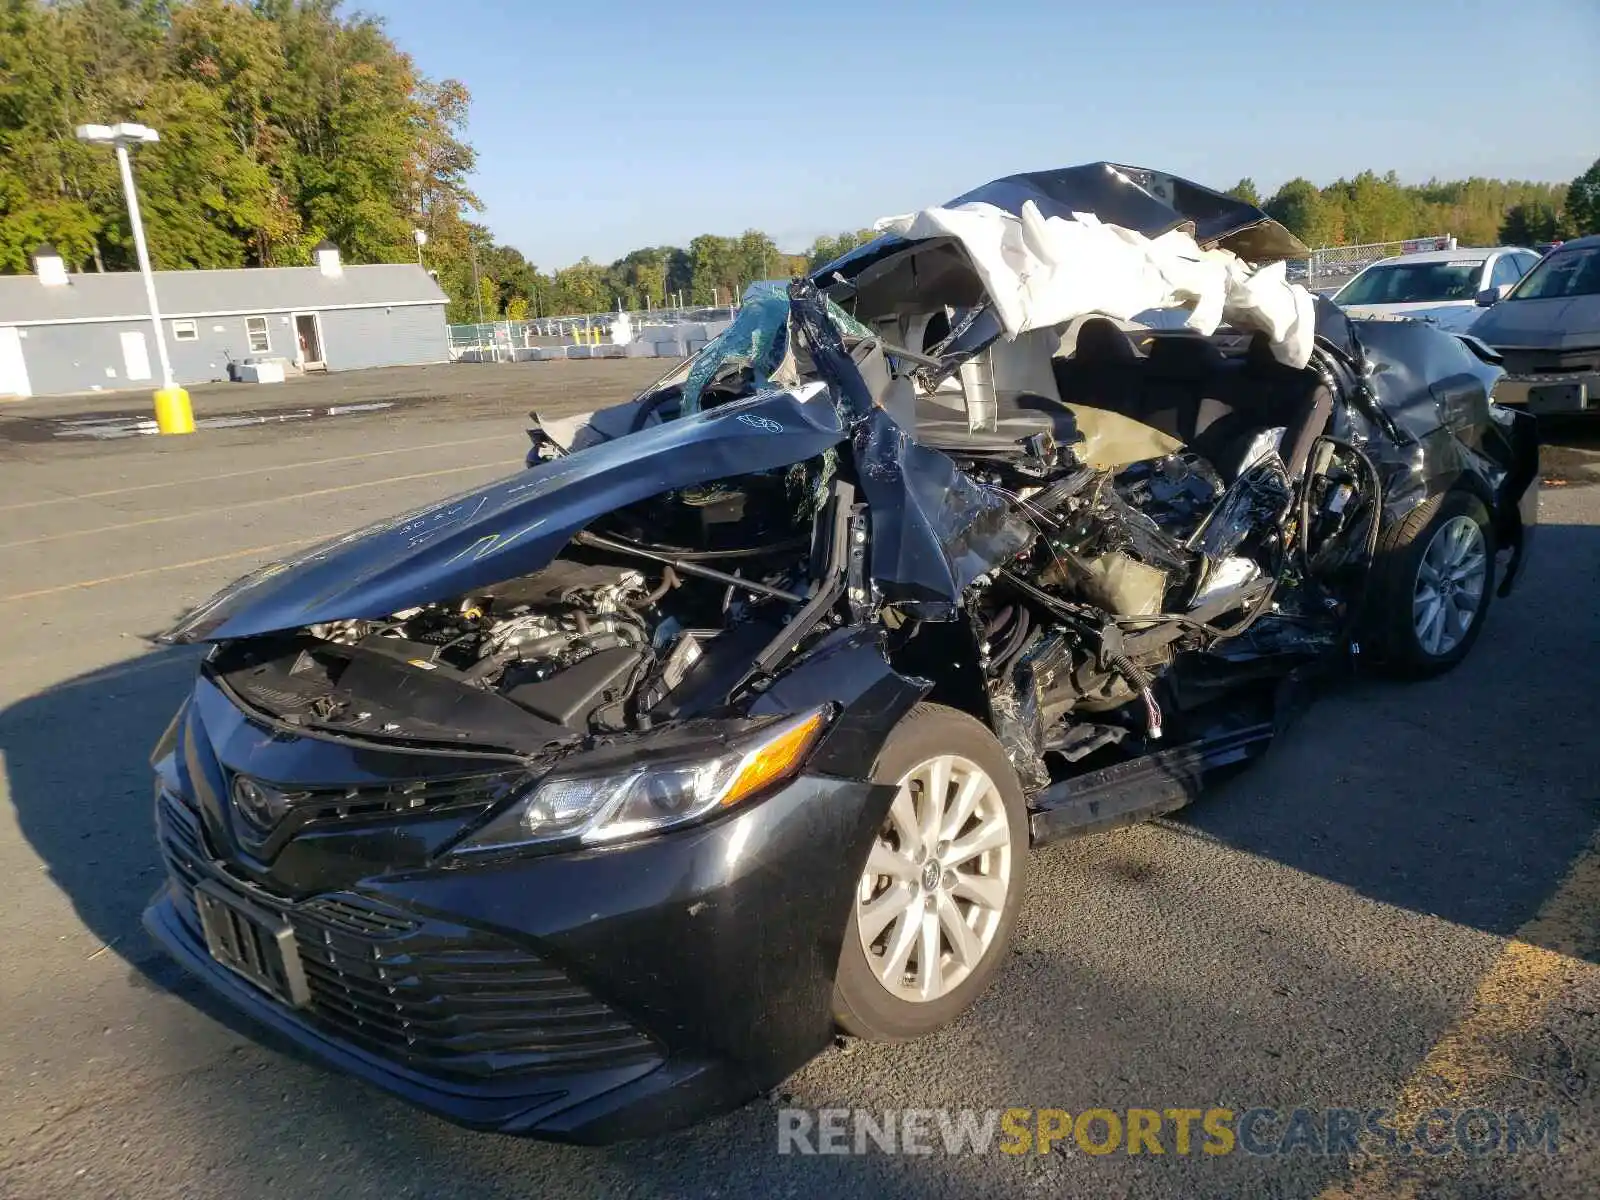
pixel 421 238
pixel 173 411
pixel 477 289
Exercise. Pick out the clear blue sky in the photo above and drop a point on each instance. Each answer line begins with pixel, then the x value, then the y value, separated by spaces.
pixel 605 126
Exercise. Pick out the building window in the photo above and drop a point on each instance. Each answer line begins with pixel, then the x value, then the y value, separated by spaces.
pixel 256 329
pixel 184 331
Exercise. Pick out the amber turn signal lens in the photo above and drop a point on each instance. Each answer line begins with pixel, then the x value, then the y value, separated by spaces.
pixel 777 758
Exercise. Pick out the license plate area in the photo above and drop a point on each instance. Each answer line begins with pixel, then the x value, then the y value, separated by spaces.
pixel 252 942
pixel 1558 397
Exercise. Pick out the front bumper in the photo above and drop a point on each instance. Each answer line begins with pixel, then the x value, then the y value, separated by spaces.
pixel 1550 394
pixel 587 996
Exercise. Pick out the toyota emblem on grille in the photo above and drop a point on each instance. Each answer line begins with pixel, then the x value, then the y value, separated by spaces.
pixel 261 805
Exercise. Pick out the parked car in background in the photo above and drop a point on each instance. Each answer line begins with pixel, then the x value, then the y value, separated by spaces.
pixel 1441 286
pixel 1548 332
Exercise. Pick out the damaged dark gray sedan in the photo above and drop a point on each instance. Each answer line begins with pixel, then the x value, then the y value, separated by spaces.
pixel 593 802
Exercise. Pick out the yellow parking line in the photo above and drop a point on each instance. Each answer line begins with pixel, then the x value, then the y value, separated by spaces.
pixel 293 466
pixel 193 562
pixel 227 508
pixel 1515 996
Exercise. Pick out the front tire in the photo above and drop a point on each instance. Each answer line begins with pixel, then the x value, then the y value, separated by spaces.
pixel 943 881
pixel 1435 579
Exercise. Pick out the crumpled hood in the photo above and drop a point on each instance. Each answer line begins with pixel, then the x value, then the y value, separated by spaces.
pixel 1559 323
pixel 516 525
pixel 1454 315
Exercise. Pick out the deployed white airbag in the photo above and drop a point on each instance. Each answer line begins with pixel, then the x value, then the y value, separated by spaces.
pixel 1044 271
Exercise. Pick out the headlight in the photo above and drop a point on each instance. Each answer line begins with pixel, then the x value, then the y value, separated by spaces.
pixel 605 808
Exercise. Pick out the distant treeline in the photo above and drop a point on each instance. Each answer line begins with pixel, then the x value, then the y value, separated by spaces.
pixel 284 122
pixel 1479 212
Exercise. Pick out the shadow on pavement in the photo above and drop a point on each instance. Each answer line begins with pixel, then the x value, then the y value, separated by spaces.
pixel 1468 796
pixel 77 766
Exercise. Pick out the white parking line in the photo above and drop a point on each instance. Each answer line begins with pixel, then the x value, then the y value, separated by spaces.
pixel 293 466
pixel 500 468
pixel 193 562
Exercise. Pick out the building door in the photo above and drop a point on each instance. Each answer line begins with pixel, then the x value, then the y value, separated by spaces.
pixel 135 356
pixel 308 333
pixel 13 367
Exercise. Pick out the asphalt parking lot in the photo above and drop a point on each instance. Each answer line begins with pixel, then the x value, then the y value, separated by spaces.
pixel 1398 908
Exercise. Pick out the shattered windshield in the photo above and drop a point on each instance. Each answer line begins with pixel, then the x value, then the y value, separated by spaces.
pixel 757 344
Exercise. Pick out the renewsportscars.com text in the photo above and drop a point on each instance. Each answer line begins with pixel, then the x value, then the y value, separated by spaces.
pixel 1160 1131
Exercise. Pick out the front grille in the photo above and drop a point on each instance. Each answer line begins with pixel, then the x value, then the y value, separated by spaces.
pixel 448 999
pixel 435 795
pixel 183 847
pixel 297 811
pixel 435 996
pixel 360 919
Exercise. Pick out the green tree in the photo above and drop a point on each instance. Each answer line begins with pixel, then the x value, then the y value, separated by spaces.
pixel 489 299
pixel 1583 202
pixel 1297 207
pixel 1532 223
pixel 757 258
pixel 825 249
pixel 282 121
pixel 580 288
pixel 715 269
pixel 1245 190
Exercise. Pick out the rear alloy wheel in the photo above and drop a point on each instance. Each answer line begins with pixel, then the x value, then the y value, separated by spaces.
pixel 942 882
pixel 1434 583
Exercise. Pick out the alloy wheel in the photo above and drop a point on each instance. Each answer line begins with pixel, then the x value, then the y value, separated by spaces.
pixel 1449 588
pixel 935 885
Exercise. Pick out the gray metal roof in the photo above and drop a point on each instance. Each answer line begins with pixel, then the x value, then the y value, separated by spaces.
pixel 96 297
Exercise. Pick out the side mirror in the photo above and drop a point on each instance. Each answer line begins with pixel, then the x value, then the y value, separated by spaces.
pixel 1488 298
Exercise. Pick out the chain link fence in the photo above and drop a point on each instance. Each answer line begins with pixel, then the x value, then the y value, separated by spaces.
pixel 1331 267
pixel 509 341
pixel 649 333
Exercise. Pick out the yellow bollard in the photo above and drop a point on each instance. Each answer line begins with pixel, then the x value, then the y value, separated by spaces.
pixel 174 414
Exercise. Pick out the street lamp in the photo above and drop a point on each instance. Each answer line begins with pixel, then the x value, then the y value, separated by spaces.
pixel 421 238
pixel 173 411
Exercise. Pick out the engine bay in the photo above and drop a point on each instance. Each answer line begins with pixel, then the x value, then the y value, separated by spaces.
pixel 612 636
